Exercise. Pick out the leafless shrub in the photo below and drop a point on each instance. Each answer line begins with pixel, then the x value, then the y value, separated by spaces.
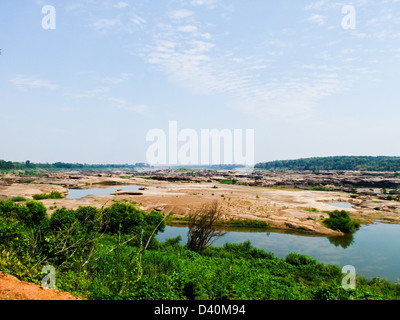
pixel 202 226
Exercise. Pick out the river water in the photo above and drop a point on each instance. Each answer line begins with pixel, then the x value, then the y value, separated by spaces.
pixel 373 250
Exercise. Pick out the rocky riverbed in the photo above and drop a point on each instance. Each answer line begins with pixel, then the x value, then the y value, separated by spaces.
pixel 288 200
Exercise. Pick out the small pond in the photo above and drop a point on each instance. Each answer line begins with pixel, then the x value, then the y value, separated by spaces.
pixel 80 193
pixel 342 205
pixel 373 250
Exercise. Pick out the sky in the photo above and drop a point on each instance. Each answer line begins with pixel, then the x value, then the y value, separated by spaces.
pixel 309 77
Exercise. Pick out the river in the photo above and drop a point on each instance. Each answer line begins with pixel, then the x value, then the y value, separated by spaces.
pixel 373 250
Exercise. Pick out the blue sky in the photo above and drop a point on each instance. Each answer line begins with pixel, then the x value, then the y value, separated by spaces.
pixel 91 89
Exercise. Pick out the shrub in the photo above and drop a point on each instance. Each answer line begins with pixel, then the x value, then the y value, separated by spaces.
pixel 341 221
pixel 51 195
pixel 228 181
pixel 311 209
pixel 155 220
pixel 173 241
pixel 31 214
pixel 202 226
pixel 62 219
pixel 8 209
pixel 17 199
pixel 89 217
pixel 123 217
pixel 36 213
pixel 296 259
pixel 246 250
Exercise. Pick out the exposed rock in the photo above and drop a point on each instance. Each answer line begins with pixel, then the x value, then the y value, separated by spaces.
pixel 128 193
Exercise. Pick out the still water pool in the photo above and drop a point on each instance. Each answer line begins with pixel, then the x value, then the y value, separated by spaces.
pixel 341 205
pixel 374 250
pixel 80 193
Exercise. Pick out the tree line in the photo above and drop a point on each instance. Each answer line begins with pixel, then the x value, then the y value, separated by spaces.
pixel 351 163
pixel 9 165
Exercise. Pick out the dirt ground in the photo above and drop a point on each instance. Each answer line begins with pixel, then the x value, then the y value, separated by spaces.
pixel 13 289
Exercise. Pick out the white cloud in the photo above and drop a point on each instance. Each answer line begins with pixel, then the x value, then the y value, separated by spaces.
pixel 208 3
pixel 138 20
pixel 317 18
pixel 104 24
pixel 180 14
pixel 316 5
pixel 121 5
pixel 118 79
pixel 122 104
pixel 92 93
pixel 187 28
pixel 140 109
pixel 23 81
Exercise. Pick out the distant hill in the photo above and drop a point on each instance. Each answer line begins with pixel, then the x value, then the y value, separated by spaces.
pixel 352 163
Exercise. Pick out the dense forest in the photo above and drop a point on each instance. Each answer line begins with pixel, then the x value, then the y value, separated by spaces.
pixel 362 163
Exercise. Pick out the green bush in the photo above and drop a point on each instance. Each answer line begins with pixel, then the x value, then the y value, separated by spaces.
pixel 341 221
pixel 228 181
pixel 296 259
pixel 246 250
pixel 17 199
pixel 32 213
pixel 155 220
pixel 8 209
pixel 89 217
pixel 51 195
pixel 36 213
pixel 62 219
pixel 123 217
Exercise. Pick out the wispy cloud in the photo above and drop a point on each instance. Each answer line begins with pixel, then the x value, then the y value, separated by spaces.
pixel 208 3
pixel 122 104
pixel 197 63
pixel 92 93
pixel 190 49
pixel 318 19
pixel 121 5
pixel 23 81
pixel 104 25
pixel 138 20
pixel 117 79
pixel 180 13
